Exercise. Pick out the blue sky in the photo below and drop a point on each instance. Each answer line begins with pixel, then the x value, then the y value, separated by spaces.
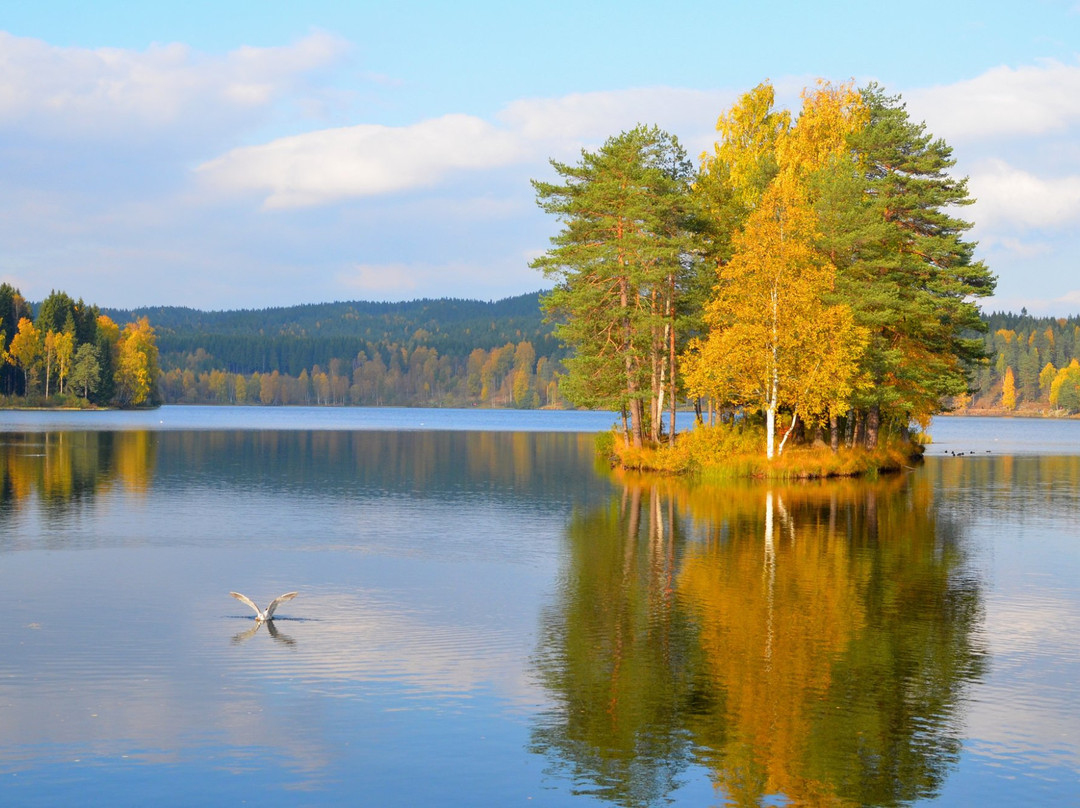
pixel 252 154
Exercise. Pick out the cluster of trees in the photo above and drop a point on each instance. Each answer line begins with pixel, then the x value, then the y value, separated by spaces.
pixel 69 350
pixel 1036 364
pixel 382 375
pixel 809 271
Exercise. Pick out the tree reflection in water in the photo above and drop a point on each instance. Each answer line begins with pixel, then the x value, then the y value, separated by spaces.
pixel 64 469
pixel 806 643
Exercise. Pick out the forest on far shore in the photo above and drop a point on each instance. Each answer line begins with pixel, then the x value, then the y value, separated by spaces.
pixel 1033 365
pixel 461 353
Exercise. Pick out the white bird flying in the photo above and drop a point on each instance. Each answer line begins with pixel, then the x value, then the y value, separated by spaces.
pixel 261 616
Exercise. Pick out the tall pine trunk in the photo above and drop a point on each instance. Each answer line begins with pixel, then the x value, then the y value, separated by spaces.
pixel 873 426
pixel 671 360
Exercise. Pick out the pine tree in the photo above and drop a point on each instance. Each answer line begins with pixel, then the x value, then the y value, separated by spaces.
pixel 907 271
pixel 620 264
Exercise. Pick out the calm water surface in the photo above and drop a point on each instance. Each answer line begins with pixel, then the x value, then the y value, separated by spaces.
pixel 486 618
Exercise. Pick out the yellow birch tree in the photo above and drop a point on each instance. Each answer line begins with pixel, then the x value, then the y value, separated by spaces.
pixel 775 342
pixel 1008 391
pixel 26 350
pixel 136 374
pixel 64 345
pixel 49 355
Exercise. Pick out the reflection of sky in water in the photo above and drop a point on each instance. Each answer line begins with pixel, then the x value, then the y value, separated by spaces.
pixel 131 655
pixel 1023 721
pixel 316 418
pixel 410 637
pixel 1004 436
pixel 410 674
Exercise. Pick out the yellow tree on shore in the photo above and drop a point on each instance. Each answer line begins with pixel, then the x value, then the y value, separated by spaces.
pixel 26 350
pixel 1008 391
pixel 137 365
pixel 775 341
pixel 64 346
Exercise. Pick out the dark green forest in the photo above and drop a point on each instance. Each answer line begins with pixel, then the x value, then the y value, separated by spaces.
pixel 296 338
pixel 446 352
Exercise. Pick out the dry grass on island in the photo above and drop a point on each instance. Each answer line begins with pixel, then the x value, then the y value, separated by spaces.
pixel 730 451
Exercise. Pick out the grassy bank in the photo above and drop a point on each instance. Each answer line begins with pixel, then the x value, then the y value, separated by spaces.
pixel 54 402
pixel 726 451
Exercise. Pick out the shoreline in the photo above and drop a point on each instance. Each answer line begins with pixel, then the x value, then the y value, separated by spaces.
pixel 724 454
pixel 983 412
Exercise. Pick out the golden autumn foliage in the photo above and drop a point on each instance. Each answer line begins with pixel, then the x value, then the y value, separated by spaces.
pixel 136 370
pixel 26 350
pixel 775 341
pixel 1008 391
pixel 1065 388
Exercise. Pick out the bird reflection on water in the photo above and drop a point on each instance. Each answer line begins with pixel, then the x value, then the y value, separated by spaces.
pixel 251 632
pixel 266 617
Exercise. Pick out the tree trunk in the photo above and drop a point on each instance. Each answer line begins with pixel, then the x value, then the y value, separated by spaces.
pixel 873 425
pixel 770 431
pixel 672 366
pixel 834 433
pixel 791 429
pixel 658 397
pixel 655 376
pixel 637 430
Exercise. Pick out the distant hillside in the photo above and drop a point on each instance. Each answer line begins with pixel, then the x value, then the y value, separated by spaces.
pixel 291 339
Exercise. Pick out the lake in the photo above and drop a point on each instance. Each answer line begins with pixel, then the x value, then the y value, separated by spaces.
pixel 485 617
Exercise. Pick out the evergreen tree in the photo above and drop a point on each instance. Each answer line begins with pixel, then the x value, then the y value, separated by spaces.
pixel 908 272
pixel 56 313
pixel 620 264
pixel 12 309
pixel 921 350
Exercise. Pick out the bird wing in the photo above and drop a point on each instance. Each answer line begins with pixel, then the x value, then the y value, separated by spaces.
pixel 248 601
pixel 278 601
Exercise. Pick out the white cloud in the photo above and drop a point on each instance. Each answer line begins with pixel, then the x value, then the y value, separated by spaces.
pixel 385 279
pixel 78 93
pixel 595 116
pixel 365 160
pixel 1002 102
pixel 1011 198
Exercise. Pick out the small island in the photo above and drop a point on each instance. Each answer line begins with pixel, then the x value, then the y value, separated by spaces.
pixel 808 288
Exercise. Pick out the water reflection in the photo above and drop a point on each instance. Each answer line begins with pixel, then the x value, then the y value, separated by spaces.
pixel 52 484
pixel 272 630
pixel 809 643
pixel 618 653
pixel 467 597
pixel 61 469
